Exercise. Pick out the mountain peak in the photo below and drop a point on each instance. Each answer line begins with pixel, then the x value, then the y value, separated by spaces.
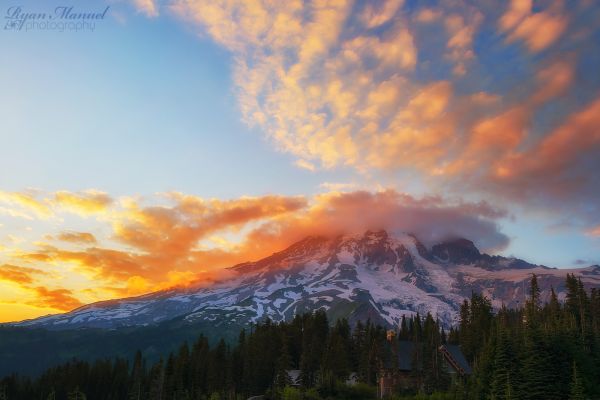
pixel 456 251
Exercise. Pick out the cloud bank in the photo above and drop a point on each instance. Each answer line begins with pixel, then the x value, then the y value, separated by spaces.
pixel 174 239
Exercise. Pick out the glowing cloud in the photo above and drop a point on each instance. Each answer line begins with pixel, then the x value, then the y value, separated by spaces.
pixel 18 274
pixel 77 237
pixel 406 87
pixel 85 203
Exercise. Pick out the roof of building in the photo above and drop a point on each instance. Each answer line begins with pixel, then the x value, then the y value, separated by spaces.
pixel 404 351
pixel 458 357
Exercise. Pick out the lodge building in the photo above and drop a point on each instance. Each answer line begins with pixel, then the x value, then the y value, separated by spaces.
pixel 396 367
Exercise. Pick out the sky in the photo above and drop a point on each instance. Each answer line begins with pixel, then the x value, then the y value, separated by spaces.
pixel 164 141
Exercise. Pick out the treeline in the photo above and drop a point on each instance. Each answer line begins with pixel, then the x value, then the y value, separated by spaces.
pixel 257 364
pixel 543 351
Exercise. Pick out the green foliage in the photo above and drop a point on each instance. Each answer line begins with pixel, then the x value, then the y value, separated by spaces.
pixel 529 350
pixel 290 393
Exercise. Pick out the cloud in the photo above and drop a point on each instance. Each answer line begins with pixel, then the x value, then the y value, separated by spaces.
pixel 59 299
pixel 77 237
pixel 378 13
pixel 20 275
pixel 84 203
pixel 337 186
pixel 428 15
pixel 538 29
pixel 556 171
pixel 431 219
pixel 15 213
pixel 461 31
pixel 26 201
pixel 32 204
pixel 425 90
pixel 146 7
pixel 27 279
pixel 305 165
pixel 161 244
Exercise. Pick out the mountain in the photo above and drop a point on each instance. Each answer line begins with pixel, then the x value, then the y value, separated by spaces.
pixel 370 275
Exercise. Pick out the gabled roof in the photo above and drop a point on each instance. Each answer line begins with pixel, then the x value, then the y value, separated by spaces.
pixel 400 354
pixel 456 358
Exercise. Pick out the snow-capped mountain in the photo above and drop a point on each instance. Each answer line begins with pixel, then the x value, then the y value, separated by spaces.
pixel 372 275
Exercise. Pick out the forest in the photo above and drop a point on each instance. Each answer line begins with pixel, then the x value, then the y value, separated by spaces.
pixel 544 350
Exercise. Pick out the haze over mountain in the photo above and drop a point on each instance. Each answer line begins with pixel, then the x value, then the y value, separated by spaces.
pixel 372 275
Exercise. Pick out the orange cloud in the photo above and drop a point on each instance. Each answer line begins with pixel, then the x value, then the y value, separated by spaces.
pixel 28 202
pixel 461 33
pixel 428 15
pixel 383 85
pixel 493 136
pixel 20 275
pixel 59 299
pixel 376 14
pixel 163 243
pixel 539 30
pixel 84 203
pixel 77 237
pixel 554 79
pixel 552 164
pixel 432 219
pixel 174 230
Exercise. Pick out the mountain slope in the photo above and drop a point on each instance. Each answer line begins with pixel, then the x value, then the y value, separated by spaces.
pixel 372 275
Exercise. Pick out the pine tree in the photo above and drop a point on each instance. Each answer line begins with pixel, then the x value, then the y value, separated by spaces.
pixel 404 333
pixel 537 376
pixel 504 378
pixel 576 387
pixel 157 378
pixel 282 378
pixel 137 376
pixel 532 306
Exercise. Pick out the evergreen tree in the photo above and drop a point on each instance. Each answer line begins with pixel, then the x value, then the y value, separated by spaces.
pixel 532 306
pixel 505 374
pixel 136 380
pixel 156 381
pixel 282 378
pixel 576 388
